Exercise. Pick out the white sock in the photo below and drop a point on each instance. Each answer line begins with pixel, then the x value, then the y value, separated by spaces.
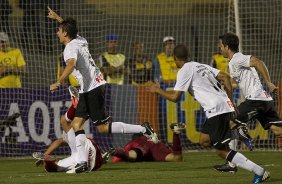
pixel 80 141
pixel 120 127
pixel 233 145
pixel 242 162
pixel 71 140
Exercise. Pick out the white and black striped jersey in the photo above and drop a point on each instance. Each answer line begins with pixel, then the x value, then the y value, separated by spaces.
pixel 247 78
pixel 200 81
pixel 87 73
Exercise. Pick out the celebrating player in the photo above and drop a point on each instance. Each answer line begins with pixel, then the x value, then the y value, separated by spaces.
pixel 244 71
pixel 139 148
pixel 92 84
pixel 202 83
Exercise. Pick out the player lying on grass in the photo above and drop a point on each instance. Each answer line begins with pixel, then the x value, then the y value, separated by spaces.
pixel 94 154
pixel 140 148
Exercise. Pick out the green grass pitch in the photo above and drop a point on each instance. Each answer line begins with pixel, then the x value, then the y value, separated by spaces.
pixel 196 169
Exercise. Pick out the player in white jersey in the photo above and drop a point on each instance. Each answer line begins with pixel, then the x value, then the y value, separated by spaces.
pixel 93 154
pixel 244 71
pixel 201 81
pixel 91 98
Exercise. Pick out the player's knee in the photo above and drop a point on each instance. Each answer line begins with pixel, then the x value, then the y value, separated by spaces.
pixel 204 142
pixel 77 124
pixel 135 155
pixel 63 120
pixel 277 131
pixel 104 128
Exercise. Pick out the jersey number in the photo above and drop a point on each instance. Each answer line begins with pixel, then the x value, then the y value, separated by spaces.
pixel 230 104
pixel 99 78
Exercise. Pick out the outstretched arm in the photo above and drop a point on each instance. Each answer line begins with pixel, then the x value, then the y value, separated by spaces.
pixel 169 95
pixel 262 70
pixel 52 147
pixel 54 15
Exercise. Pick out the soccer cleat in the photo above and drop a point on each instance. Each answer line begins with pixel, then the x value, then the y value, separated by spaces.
pixel 74 95
pixel 150 132
pixel 177 127
pixel 245 137
pixel 79 168
pixel 73 92
pixel 226 168
pixel 41 156
pixel 107 154
pixel 260 179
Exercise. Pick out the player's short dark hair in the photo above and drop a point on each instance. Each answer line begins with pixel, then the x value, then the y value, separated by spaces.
pixel 231 40
pixel 69 25
pixel 181 52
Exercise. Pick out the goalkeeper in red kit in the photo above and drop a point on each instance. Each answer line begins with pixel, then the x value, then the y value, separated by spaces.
pixel 140 148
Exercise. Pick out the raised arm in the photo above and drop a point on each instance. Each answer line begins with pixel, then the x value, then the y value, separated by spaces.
pixel 53 15
pixel 262 70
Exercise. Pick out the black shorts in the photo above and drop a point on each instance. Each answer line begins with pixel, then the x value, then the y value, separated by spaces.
pixel 218 129
pixel 92 104
pixel 265 109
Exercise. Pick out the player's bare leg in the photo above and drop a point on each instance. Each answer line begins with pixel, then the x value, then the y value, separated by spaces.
pixel 205 140
pixel 176 156
pixel 277 130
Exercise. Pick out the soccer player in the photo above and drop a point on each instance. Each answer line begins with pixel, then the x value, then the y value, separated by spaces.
pixel 91 101
pixel 93 154
pixel 201 81
pixel 244 70
pixel 221 63
pixel 139 149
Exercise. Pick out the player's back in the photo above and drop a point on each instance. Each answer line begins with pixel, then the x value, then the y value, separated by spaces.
pixel 88 75
pixel 200 80
pixel 137 140
pixel 247 77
